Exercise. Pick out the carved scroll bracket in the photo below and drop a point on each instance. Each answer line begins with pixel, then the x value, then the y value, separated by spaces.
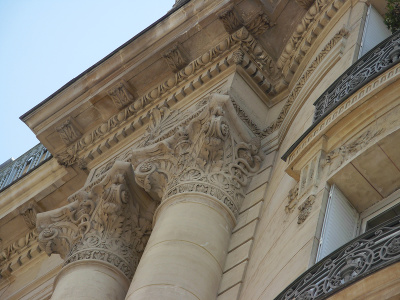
pixel 204 150
pixel 104 221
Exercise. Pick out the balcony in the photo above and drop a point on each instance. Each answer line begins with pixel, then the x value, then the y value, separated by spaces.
pixel 368 253
pixel 373 64
pixel 23 165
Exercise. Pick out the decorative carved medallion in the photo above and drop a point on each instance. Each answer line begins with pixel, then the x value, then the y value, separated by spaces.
pixel 198 151
pixel 305 209
pixel 68 131
pixel 120 95
pixel 103 222
pixel 175 58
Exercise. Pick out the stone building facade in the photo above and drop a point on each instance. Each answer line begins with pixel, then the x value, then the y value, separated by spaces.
pixel 232 150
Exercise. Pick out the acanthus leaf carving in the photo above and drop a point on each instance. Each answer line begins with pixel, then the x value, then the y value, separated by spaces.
pixel 201 153
pixel 102 222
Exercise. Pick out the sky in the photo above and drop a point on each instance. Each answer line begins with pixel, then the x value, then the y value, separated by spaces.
pixel 46 43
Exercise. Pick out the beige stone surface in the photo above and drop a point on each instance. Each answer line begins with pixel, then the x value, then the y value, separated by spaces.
pixel 232 277
pixel 231 294
pixel 243 235
pixel 176 257
pixel 204 133
pixel 90 280
pixel 238 255
pixel 253 198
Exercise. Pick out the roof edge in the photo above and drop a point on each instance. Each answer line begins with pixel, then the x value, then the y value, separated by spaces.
pixel 170 12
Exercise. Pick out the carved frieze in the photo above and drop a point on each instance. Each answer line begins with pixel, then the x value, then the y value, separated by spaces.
pixel 102 222
pixel 175 58
pixel 120 95
pixel 69 131
pixel 197 151
pixel 305 209
pixel 338 156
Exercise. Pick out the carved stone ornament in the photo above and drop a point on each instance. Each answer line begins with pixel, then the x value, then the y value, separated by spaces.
pixel 175 58
pixel 120 95
pixel 29 212
pixel 103 222
pixel 292 199
pixel 258 24
pixel 306 4
pixel 338 156
pixel 68 131
pixel 305 209
pixel 204 150
pixel 230 20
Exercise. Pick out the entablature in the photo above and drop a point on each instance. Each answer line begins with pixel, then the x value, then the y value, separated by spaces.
pixel 167 63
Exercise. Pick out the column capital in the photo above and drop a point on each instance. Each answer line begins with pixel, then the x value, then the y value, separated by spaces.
pixel 104 221
pixel 205 149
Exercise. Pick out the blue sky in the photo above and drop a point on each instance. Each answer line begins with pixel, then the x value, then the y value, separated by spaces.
pixel 46 43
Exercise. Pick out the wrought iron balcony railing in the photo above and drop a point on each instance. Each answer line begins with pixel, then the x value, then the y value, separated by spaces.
pixel 375 62
pixel 23 165
pixel 368 253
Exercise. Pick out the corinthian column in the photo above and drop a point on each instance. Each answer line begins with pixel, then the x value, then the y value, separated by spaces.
pixel 101 235
pixel 198 163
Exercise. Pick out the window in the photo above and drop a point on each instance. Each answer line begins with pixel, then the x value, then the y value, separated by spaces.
pixel 380 212
pixel 375 31
pixel 342 222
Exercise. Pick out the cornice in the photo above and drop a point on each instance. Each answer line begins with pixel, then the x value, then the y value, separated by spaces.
pixel 317 17
pixel 240 49
pixel 250 55
pixel 343 33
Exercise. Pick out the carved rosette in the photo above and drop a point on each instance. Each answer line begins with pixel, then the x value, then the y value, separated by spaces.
pixel 201 151
pixel 103 222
